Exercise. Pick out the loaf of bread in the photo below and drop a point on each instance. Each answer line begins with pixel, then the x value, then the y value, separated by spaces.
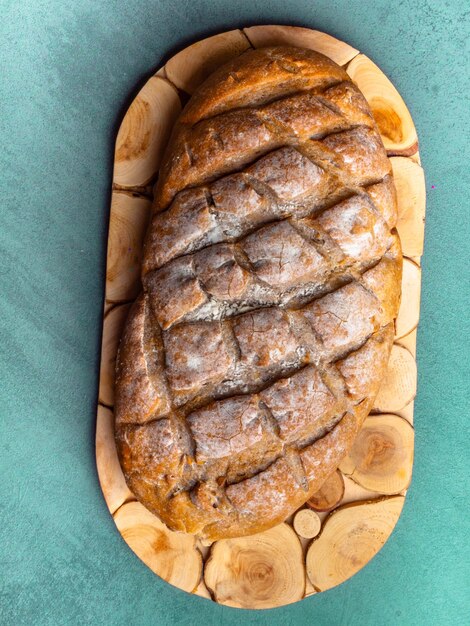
pixel 271 281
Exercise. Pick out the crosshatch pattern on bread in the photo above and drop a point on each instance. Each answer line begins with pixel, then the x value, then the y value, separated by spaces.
pixel 271 281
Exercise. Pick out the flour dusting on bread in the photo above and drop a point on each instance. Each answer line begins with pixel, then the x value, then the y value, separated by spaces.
pixel 271 281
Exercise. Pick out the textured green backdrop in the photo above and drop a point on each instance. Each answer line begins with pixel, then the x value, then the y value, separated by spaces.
pixel 67 71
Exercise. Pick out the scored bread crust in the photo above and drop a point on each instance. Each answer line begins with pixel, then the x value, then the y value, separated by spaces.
pixel 271 277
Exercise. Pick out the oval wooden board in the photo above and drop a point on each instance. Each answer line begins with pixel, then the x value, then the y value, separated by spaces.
pixel 279 566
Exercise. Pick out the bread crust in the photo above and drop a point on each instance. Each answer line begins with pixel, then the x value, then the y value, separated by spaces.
pixel 271 276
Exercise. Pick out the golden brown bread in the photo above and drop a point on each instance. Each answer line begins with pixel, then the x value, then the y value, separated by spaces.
pixel 271 281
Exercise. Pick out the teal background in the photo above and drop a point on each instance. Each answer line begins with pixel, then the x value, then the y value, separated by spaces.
pixel 67 71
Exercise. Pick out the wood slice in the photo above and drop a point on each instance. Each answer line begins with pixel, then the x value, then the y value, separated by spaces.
pixel 112 330
pixel 173 556
pixel 351 536
pixel 257 572
pixel 264 36
pixel 393 118
pixel 381 458
pixel 190 67
pixel 128 222
pixel 112 481
pixel 329 495
pixel 264 570
pixel 408 315
pixel 399 385
pixel 307 524
pixel 144 133
pixel 409 182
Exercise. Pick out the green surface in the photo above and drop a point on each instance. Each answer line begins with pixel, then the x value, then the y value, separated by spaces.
pixel 67 71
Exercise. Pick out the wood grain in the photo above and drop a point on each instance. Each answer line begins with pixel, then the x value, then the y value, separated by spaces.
pixel 173 556
pixel 329 495
pixel 411 198
pixel 351 511
pixel 408 315
pixel 190 67
pixel 144 133
pixel 263 36
pixel 354 492
pixel 112 481
pixel 128 222
pixel 381 458
pixel 351 536
pixel 260 571
pixel 113 325
pixel 399 385
pixel 306 523
pixel 393 118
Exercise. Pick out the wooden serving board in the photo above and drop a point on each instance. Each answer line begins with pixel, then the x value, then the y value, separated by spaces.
pixel 347 522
